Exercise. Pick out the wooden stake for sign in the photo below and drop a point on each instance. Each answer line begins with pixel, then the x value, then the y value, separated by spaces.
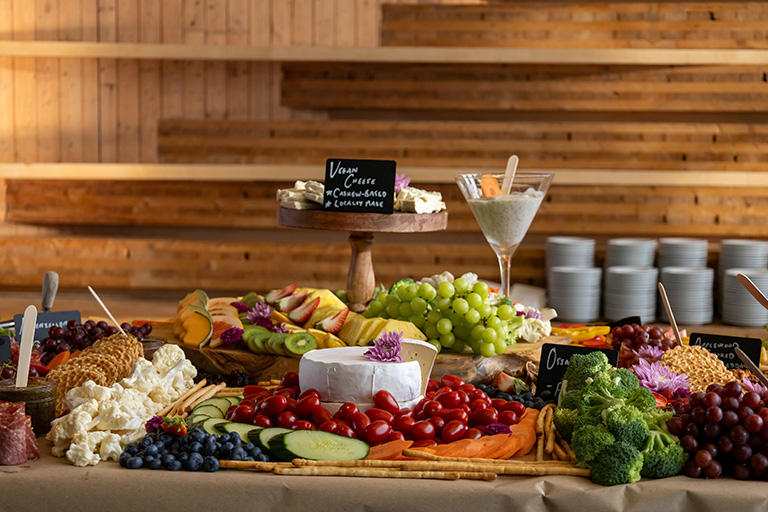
pixel 670 315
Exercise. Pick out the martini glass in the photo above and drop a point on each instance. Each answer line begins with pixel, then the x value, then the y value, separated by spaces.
pixel 505 219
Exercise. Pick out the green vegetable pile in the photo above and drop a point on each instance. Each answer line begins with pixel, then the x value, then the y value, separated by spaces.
pixel 613 424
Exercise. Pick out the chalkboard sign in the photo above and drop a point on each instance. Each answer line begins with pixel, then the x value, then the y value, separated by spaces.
pixel 722 347
pixel 5 348
pixel 46 320
pixel 359 186
pixel 554 362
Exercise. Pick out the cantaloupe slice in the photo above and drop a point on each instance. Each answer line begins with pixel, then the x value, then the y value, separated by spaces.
pixel 199 328
pixel 194 297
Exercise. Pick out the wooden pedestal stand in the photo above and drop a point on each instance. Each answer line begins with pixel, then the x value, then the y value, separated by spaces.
pixel 361 226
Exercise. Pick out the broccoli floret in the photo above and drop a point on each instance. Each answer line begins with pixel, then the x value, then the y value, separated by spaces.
pixel 643 399
pixel 626 381
pixel 627 424
pixel 617 464
pixel 657 418
pixel 596 398
pixel 564 419
pixel 588 442
pixel 584 366
pixel 663 456
pixel 570 399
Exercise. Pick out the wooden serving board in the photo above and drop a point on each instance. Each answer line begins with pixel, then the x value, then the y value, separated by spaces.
pixel 475 369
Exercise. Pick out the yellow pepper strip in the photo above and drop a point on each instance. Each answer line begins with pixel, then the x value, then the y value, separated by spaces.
pixel 582 333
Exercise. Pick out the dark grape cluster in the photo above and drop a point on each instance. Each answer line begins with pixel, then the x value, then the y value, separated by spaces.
pixel 527 398
pixel 75 336
pixel 138 332
pixel 194 451
pixel 638 336
pixel 235 378
pixel 724 431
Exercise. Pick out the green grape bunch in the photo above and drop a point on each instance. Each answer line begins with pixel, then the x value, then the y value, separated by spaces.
pixel 454 316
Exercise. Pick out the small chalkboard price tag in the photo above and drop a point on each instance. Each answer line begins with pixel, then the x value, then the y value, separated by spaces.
pixel 361 186
pixel 46 320
pixel 722 347
pixel 5 348
pixel 554 362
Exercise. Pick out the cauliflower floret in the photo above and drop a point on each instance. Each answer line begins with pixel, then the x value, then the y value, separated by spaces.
pixel 84 444
pixel 89 390
pixel 110 448
pixel 131 436
pixel 128 410
pixel 533 329
pixel 144 376
pixel 166 357
pixel 81 419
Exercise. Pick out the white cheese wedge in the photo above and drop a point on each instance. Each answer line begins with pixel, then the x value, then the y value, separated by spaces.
pixel 299 205
pixel 313 197
pixel 414 200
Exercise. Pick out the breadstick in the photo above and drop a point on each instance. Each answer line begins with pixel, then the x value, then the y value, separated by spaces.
pixel 540 448
pixel 532 468
pixel 229 392
pixel 170 407
pixel 204 395
pixel 549 435
pixel 566 447
pixel 366 472
pixel 540 419
pixel 559 452
pixel 259 466
pixel 432 457
pixel 364 463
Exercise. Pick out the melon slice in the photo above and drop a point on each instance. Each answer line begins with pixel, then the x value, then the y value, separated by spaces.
pixel 198 327
pixel 195 297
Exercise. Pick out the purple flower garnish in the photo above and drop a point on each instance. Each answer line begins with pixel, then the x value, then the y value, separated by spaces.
pixel 401 182
pixel 232 335
pixel 280 328
pixel 241 307
pixel 497 428
pixel 660 379
pixel 533 314
pixel 259 310
pixel 649 353
pixel 386 349
pixel 153 423
pixel 756 387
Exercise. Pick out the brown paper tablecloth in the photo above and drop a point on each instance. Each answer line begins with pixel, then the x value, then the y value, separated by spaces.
pixel 55 484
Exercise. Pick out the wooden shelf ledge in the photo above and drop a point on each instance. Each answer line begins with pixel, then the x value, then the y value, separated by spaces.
pixel 282 173
pixel 403 54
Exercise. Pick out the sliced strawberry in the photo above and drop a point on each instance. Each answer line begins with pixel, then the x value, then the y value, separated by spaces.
pixel 275 295
pixel 333 323
pixel 302 313
pixel 504 382
pixel 291 302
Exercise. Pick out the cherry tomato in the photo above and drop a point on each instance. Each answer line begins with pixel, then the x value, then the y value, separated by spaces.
pixel 342 422
pixel 433 385
pixel 247 401
pixel 442 390
pixel 291 405
pixel 433 408
pixel 479 394
pixel 329 426
pixel 453 431
pixel 430 394
pixel 346 431
pixel 306 406
pixel 286 392
pixel 304 425
pixel 473 433
pixel 310 391
pixel 289 379
pixel 481 428
pixel 262 420
pixel 498 404
pixel 456 415
pixel 405 411
pixel 404 424
pixel 478 405
pixel 420 405
pixel 516 407
pixel 452 381
pixel 347 412
pixel 395 436
pixel 424 442
pixel 508 418
pixel 449 400
pixel 296 391
pixel 359 423
pixel 463 396
pixel 377 432
pixel 321 415
pixel 439 423
pixel 286 419
pixel 249 391
pixel 243 414
pixel 421 416
pixel 484 417
pixel 376 414
pixel 274 405
pixel 230 412
pixel 465 408
pixel 467 388
pixel 423 430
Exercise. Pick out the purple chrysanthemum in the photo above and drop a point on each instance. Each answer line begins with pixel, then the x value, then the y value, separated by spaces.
pixel 658 378
pixel 497 428
pixel 241 307
pixel 401 182
pixel 153 423
pixel 386 349
pixel 232 335
pixel 649 353
pixel 259 310
pixel 756 387
pixel 279 328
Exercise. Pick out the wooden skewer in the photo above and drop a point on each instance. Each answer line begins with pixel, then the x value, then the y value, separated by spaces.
pixel 366 472
pixel 104 307
pixel 670 315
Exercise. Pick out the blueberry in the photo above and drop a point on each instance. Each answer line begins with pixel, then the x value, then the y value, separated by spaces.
pixel 160 445
pixel 211 438
pixel 183 457
pixel 150 450
pixel 131 449
pixel 527 395
pixel 239 454
pixel 198 436
pixel 195 447
pixel 210 464
pixel 154 464
pixel 506 396
pixel 164 437
pixel 147 441
pixel 254 452
pixel 167 459
pixel 124 458
pixel 184 449
pixel 528 404
pixel 225 452
pixel 235 440
pixel 209 449
pixel 248 447
pixel 148 459
pixel 174 450
pixel 224 438
pixel 174 466
pixel 482 387
pixel 546 395
pixel 262 458
pixel 194 462
pixel 134 463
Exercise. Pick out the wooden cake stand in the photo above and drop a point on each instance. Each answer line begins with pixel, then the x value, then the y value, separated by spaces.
pixel 361 226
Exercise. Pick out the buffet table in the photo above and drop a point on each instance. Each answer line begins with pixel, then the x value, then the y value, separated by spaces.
pixel 55 484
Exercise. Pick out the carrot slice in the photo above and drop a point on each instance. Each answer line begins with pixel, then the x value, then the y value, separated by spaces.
pixel 490 186
pixel 59 359
pixel 525 430
pixel 75 354
pixel 389 451
pixel 492 446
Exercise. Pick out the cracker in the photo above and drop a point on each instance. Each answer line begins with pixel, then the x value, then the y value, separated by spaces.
pixel 700 365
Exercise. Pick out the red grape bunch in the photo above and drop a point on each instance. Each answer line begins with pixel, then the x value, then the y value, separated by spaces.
pixel 638 336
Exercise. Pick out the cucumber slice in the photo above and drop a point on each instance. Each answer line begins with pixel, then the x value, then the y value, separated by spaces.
pixel 276 343
pixel 209 425
pixel 299 343
pixel 196 419
pixel 242 429
pixel 220 403
pixel 317 445
pixel 209 410
pixel 262 437
pixel 233 400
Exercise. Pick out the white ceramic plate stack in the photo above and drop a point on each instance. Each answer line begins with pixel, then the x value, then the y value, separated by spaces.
pixel 575 293
pixel 630 291
pixel 569 251
pixel 740 254
pixel 683 252
pixel 630 252
pixel 739 307
pixel 689 290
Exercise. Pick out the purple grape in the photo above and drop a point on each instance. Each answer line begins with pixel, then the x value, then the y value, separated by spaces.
pixel 63 347
pixel 111 330
pixel 146 329
pixel 102 325
pixel 72 325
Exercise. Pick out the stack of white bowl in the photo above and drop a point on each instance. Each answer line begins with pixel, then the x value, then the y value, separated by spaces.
pixel 689 290
pixel 683 252
pixel 737 253
pixel 630 252
pixel 575 293
pixel 739 307
pixel 630 291
pixel 569 251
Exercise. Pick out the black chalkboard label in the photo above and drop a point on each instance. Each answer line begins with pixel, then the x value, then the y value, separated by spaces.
pixel 46 320
pixel 5 348
pixel 359 186
pixel 722 347
pixel 554 362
